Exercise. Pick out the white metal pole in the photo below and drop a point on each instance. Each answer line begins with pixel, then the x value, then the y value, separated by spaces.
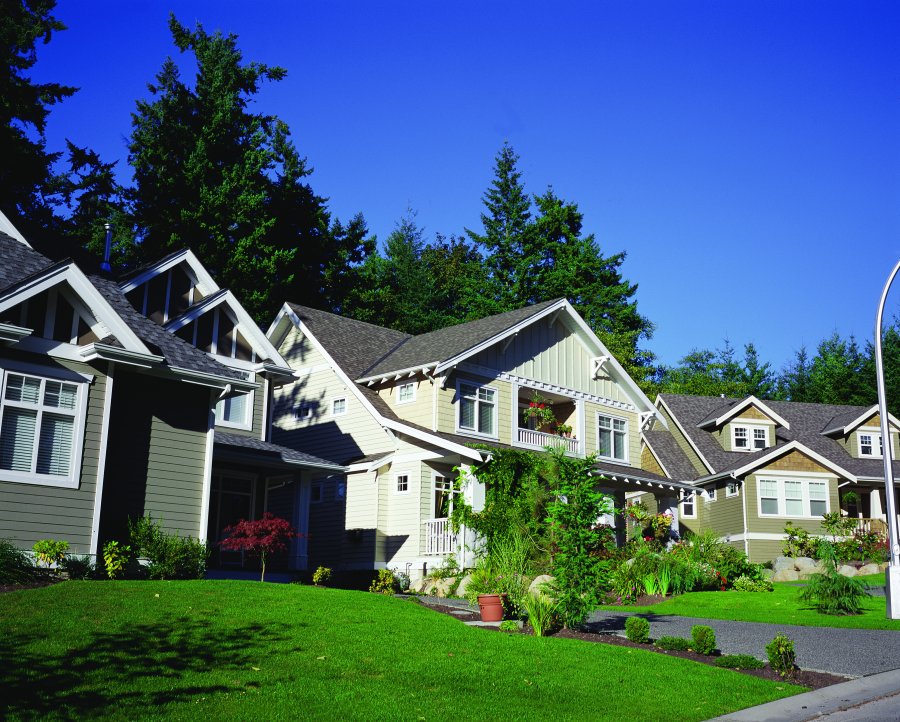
pixel 892 573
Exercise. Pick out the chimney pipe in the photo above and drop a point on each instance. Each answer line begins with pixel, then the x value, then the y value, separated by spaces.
pixel 105 267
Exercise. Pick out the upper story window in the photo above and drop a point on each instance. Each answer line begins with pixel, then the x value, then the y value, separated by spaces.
pixel 235 411
pixel 749 438
pixel 339 407
pixel 613 438
pixel 688 504
pixel 870 444
pixel 39 421
pixel 402 483
pixel 793 497
pixel 732 488
pixel 477 409
pixel 304 411
pixel 406 393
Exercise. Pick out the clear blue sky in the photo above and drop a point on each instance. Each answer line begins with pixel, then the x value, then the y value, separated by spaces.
pixel 746 155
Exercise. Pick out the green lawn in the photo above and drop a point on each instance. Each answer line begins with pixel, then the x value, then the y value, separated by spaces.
pixel 782 606
pixel 227 650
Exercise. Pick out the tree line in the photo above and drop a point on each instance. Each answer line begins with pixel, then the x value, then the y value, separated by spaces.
pixel 208 173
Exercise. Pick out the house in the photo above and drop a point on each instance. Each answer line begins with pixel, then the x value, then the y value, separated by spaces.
pixel 756 465
pixel 403 412
pixel 113 406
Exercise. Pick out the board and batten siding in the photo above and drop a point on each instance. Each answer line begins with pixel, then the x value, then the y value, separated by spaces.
pixel 552 354
pixel 337 438
pixel 29 512
pixel 156 454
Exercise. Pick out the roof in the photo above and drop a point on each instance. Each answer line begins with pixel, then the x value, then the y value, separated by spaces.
pixel 19 261
pixel 808 422
pixel 263 451
pixel 667 451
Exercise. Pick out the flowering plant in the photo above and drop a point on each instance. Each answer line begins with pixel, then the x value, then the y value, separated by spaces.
pixel 540 410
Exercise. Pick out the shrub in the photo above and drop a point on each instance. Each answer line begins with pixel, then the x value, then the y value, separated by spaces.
pixel 321 576
pixel 739 661
pixel 781 655
pixel 542 613
pixel 509 625
pixel 170 556
pixel 637 629
pixel 260 537
pixel 78 567
pixel 15 566
pixel 50 551
pixel 833 593
pixel 115 558
pixel 746 584
pixel 679 644
pixel 799 543
pixel 384 583
pixel 703 639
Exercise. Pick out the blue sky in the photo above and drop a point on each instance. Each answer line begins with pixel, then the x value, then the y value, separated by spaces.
pixel 746 155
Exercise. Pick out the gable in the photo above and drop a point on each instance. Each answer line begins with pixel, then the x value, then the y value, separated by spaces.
pixel 167 294
pixel 56 314
pixel 793 461
pixel 751 413
pixel 217 331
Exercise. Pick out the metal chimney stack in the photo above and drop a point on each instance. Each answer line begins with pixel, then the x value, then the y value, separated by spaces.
pixel 105 267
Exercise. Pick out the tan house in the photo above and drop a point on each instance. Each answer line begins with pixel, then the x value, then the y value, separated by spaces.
pixel 755 465
pixel 403 413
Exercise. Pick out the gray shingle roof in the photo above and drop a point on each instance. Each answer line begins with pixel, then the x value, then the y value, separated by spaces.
pixel 19 261
pixel 807 421
pixel 670 455
pixel 265 450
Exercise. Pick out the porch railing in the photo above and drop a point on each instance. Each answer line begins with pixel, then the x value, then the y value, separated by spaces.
pixel 877 526
pixel 439 537
pixel 539 439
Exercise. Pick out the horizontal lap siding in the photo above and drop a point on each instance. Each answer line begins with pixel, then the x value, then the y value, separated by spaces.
pixel 591 433
pixel 400 517
pixel 326 525
pixel 416 412
pixel 725 515
pixel 29 512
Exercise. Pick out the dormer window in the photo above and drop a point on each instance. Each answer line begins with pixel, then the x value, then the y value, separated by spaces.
pixel 871 444
pixel 749 438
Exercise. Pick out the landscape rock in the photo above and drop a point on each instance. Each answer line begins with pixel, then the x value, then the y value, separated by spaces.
pixel 782 563
pixel 463 585
pixel 884 565
pixel 846 570
pixel 535 586
pixel 440 587
pixel 785 575
pixel 807 572
pixel 768 574
pixel 418 586
pixel 801 563
pixel 869 569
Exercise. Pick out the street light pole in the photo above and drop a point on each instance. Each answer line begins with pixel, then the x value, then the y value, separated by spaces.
pixel 892 573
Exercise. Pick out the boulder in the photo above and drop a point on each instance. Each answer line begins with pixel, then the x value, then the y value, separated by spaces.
pixel 463 585
pixel 418 586
pixel 440 587
pixel 801 563
pixel 869 569
pixel 536 585
pixel 806 573
pixel 846 570
pixel 768 574
pixel 782 563
pixel 785 575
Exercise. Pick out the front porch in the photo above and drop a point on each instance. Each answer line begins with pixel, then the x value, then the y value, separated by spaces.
pixel 548 419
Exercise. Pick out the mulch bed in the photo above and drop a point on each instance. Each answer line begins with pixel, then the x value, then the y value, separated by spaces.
pixel 804 678
pixel 40 579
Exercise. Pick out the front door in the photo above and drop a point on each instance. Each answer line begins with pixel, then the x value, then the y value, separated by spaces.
pixel 232 499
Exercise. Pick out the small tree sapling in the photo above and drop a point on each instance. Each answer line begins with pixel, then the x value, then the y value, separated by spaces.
pixel 260 537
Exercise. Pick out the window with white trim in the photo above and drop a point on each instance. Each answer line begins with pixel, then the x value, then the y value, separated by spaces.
pixel 477 409
pixel 304 411
pixel 870 444
pixel 749 438
pixel 235 411
pixel 732 488
pixel 688 504
pixel 713 494
pixel 612 437
pixel 444 490
pixel 339 407
pixel 39 423
pixel 402 483
pixel 406 393
pixel 793 497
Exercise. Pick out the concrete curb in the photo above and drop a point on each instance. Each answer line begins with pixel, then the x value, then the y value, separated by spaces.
pixel 828 700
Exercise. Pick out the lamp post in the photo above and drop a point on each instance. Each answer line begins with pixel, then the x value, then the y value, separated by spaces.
pixel 892 573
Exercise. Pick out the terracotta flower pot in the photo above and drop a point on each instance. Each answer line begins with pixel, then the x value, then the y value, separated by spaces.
pixel 491 606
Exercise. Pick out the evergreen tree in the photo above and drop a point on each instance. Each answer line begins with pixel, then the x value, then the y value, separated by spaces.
pixel 836 373
pixel 758 378
pixel 704 372
pixel 459 277
pixel 794 383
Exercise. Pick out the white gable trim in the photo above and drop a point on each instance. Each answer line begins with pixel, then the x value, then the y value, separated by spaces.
pixel 779 451
pixel 205 281
pixel 661 402
pixel 741 406
pixel 86 292
pixel 9 229
pixel 859 420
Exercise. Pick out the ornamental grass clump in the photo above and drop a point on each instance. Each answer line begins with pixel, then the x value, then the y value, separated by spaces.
pixel 833 593
pixel 637 629
pixel 542 613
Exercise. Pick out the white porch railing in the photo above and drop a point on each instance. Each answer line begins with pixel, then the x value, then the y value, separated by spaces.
pixel 539 439
pixel 439 537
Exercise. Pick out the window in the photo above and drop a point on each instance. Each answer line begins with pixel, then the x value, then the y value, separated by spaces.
pixel 443 496
pixel 749 438
pixel 304 411
pixel 315 493
pixel 339 407
pixel 713 494
pixel 402 483
pixel 477 409
pixel 794 497
pixel 613 438
pixel 868 440
pixel 39 421
pixel 688 505
pixel 731 489
pixel 406 393
pixel 235 411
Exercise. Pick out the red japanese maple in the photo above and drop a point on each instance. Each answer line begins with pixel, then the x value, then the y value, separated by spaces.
pixel 260 537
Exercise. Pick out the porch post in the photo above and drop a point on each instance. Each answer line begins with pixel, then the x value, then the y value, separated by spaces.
pixel 467 541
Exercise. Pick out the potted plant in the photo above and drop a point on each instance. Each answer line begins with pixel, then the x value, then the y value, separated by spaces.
pixel 564 430
pixel 541 411
pixel 491 607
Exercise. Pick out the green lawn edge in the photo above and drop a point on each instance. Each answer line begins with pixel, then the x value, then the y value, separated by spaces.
pixel 245 650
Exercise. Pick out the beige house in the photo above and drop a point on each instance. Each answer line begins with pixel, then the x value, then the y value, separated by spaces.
pixel 755 465
pixel 403 413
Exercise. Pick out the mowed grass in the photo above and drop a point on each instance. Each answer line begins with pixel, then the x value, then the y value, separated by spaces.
pixel 229 650
pixel 781 606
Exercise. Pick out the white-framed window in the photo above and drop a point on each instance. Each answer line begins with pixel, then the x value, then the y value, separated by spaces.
pixel 732 488
pixel 688 504
pixel 316 492
pixel 41 423
pixel 870 443
pixel 713 494
pixel 749 438
pixel 401 485
pixel 235 411
pixel 406 393
pixel 612 437
pixel 444 490
pixel 477 409
pixel 304 411
pixel 339 406
pixel 793 497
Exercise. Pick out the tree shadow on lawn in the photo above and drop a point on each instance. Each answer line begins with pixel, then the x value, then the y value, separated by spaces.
pixel 117 669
